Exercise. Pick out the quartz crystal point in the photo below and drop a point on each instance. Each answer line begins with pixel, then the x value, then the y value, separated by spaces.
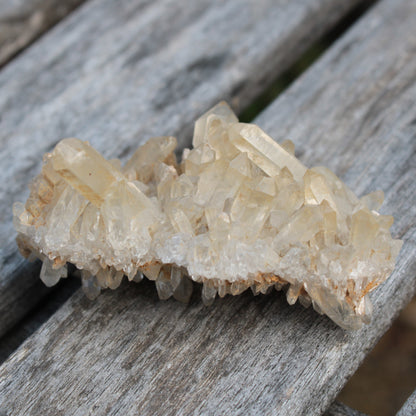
pixel 239 211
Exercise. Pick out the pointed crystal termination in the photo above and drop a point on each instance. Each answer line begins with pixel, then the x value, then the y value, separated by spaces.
pixel 240 211
pixel 84 169
pixel 263 151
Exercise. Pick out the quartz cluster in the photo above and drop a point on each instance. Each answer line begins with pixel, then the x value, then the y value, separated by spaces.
pixel 240 211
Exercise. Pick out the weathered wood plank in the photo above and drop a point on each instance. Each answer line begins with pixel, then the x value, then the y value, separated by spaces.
pixel 130 353
pixel 116 73
pixel 409 408
pixel 340 409
pixel 23 21
pixel 10 341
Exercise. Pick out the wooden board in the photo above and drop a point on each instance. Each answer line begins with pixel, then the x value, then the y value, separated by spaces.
pixel 116 73
pixel 129 353
pixel 40 314
pixel 23 21
pixel 409 408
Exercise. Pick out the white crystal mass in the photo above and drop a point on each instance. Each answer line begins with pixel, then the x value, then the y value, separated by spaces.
pixel 240 211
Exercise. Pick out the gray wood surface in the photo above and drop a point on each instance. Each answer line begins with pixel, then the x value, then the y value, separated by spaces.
pixel 409 408
pixel 116 73
pixel 40 314
pixel 129 353
pixel 340 409
pixel 23 21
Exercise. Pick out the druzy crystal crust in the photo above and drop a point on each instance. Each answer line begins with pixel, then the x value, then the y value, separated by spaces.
pixel 240 211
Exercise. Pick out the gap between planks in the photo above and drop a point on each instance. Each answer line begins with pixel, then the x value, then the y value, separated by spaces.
pixel 23 21
pixel 409 408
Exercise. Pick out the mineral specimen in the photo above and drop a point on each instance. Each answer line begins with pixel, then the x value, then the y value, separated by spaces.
pixel 238 212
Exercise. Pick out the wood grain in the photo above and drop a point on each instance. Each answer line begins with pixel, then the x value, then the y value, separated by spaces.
pixel 117 73
pixel 409 408
pixel 129 353
pixel 23 21
pixel 27 326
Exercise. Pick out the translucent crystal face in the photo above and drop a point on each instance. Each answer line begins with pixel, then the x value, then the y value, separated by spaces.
pixel 239 211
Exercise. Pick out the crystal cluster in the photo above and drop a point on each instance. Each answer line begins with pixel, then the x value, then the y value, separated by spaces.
pixel 240 211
